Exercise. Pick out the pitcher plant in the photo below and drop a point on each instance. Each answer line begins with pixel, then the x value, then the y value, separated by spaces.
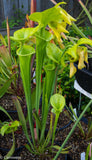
pixel 45 40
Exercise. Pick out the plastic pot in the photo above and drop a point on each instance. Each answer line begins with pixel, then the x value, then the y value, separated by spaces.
pixel 68 157
pixel 84 76
pixel 4 117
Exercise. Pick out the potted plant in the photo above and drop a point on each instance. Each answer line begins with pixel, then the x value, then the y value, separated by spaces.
pixel 84 75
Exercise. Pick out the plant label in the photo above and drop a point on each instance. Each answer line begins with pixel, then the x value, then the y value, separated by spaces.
pixel 75 111
pixel 34 80
pixel 81 90
pixel 83 156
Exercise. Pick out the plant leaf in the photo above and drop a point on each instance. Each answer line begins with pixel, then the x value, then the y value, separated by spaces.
pixel 23 34
pixel 44 35
pixel 22 119
pixel 72 52
pixel 58 102
pixel 9 127
pixel 4 54
pixel 64 150
pixel 5 87
pixel 25 54
pixel 87 152
pixel 84 41
pixel 50 15
pixel 73 70
pixel 2 40
pixel 28 148
pixel 2 109
pixel 37 119
pixel 53 52
pixel 25 50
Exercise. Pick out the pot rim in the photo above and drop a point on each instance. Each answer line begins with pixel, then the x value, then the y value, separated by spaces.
pixel 84 70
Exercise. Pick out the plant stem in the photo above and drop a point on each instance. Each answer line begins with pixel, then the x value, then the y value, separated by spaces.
pixel 79 17
pixel 86 11
pixel 55 125
pixel 78 30
pixel 62 146
pixel 26 78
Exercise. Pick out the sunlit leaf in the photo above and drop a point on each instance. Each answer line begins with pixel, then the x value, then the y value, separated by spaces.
pixel 64 150
pixel 72 52
pixel 24 33
pixel 25 55
pixel 57 29
pixel 82 52
pixel 54 14
pixel 84 41
pixel 25 50
pixel 73 69
pixel 44 35
pixel 9 127
pixel 53 52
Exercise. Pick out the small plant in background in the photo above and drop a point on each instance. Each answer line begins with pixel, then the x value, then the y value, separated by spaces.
pixel 88 14
pixel 73 116
pixel 9 127
pixel 10 81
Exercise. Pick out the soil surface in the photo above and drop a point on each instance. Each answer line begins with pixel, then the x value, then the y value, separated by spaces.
pixel 77 142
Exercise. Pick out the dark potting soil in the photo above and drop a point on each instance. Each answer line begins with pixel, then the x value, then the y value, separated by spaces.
pixel 77 142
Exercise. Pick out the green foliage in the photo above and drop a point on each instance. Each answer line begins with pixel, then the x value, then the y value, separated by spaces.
pixel 49 57
pixel 4 127
pixel 89 110
pixel 16 20
pixel 86 11
pixel 87 31
pixel 74 118
pixel 65 85
pixel 9 127
pixel 8 70
pixel 14 46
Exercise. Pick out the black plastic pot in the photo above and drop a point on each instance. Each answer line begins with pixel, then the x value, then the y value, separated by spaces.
pixel 68 157
pixel 4 117
pixel 84 76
